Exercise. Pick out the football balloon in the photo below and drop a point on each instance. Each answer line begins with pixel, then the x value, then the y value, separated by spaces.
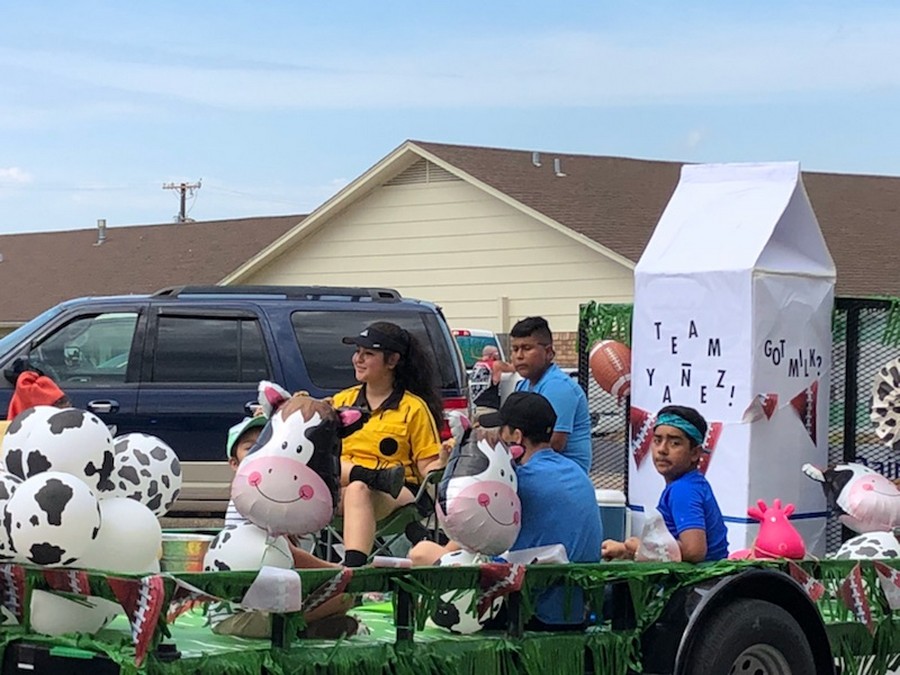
pixel 610 364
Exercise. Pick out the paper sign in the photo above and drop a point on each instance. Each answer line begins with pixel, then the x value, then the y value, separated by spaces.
pixel 732 316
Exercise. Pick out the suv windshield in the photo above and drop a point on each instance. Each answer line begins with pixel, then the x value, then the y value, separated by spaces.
pixel 328 360
pixel 27 330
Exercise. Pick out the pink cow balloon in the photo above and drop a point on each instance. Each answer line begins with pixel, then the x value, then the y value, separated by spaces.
pixel 477 504
pixel 777 538
pixel 288 483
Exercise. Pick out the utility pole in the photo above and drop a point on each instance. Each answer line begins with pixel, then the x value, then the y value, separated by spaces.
pixel 183 189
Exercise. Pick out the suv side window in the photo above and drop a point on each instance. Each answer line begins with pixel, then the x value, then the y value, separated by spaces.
pixel 232 350
pixel 327 359
pixel 91 350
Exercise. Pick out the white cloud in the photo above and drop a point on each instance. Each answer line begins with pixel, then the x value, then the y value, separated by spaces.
pixel 690 63
pixel 694 138
pixel 14 175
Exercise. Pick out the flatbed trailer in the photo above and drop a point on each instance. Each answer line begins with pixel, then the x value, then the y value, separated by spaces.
pixel 726 617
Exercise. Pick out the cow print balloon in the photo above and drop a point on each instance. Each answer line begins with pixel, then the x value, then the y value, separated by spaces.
pixel 872 545
pixel 69 440
pixel 246 547
pixel 8 485
pixel 52 519
pixel 147 470
pixel 453 610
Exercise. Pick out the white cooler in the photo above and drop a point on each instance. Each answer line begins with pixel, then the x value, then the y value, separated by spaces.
pixel 613 513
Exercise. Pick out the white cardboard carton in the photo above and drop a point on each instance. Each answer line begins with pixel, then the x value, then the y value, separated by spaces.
pixel 732 316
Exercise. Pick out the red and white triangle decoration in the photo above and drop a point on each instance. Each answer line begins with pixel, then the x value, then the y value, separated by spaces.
pixel 853 594
pixel 814 588
pixel 142 600
pixel 889 579
pixel 12 590
pixel 497 580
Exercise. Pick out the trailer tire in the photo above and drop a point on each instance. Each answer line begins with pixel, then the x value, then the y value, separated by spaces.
pixel 750 637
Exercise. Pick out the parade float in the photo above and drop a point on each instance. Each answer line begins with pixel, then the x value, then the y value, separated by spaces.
pixel 81 589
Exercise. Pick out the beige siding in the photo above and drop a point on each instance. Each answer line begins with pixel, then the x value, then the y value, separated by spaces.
pixel 483 261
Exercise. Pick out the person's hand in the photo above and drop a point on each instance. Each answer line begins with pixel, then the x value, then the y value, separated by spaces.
pixel 444 454
pixel 613 550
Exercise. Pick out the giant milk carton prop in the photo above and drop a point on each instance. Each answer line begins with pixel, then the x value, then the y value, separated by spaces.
pixel 732 316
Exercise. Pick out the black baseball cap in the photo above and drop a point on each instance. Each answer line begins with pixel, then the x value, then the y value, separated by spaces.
pixel 531 413
pixel 374 338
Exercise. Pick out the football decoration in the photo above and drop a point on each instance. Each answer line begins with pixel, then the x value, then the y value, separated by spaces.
pixel 477 504
pixel 610 364
pixel 456 610
pixel 52 519
pixel 66 440
pixel 288 482
pixel 129 540
pixel 806 404
pixel 246 548
pixel 148 471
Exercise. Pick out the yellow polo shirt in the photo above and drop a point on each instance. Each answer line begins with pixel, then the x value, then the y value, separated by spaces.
pixel 402 431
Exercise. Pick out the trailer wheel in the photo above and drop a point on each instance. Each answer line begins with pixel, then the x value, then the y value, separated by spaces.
pixel 750 637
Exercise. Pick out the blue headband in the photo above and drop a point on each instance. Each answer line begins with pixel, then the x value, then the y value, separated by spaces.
pixel 670 419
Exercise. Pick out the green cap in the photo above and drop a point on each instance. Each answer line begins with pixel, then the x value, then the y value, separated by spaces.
pixel 234 433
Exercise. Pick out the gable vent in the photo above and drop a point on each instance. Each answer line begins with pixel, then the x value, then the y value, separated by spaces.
pixel 423 171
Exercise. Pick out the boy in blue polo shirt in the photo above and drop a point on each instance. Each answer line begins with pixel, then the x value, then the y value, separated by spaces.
pixel 531 343
pixel 687 503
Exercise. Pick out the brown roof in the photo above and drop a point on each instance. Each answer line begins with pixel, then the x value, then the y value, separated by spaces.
pixel 617 202
pixel 40 269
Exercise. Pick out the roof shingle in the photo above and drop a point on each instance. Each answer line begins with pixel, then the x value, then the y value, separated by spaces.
pixel 40 269
pixel 617 203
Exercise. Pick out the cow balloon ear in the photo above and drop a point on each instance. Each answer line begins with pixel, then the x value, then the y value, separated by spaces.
pixel 271 397
pixel 352 419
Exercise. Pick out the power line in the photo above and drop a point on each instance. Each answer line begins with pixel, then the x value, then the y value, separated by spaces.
pixel 183 189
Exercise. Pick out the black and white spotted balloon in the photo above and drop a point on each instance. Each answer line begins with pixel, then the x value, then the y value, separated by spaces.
pixel 51 519
pixel 73 441
pixel 8 485
pixel 147 470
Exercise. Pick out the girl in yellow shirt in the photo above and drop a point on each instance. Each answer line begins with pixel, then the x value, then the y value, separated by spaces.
pixel 382 463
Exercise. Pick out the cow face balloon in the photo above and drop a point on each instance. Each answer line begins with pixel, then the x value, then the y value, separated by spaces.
pixel 478 505
pixel 148 471
pixel 52 519
pixel 69 440
pixel 288 482
pixel 862 499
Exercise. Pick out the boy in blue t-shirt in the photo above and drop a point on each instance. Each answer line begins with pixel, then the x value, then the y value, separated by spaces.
pixel 558 507
pixel 687 503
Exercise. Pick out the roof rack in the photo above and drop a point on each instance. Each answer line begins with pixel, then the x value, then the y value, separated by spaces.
pixel 290 292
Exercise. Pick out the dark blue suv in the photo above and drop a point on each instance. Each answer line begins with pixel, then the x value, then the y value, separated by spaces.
pixel 183 364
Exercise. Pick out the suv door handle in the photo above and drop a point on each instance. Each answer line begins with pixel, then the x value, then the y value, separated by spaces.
pixel 100 407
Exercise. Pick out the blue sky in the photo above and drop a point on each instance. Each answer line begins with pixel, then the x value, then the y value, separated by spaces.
pixel 277 105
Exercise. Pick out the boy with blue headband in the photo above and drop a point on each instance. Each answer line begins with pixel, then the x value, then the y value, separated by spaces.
pixel 687 503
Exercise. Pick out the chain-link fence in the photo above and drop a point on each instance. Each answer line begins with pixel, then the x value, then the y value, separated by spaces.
pixel 865 338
